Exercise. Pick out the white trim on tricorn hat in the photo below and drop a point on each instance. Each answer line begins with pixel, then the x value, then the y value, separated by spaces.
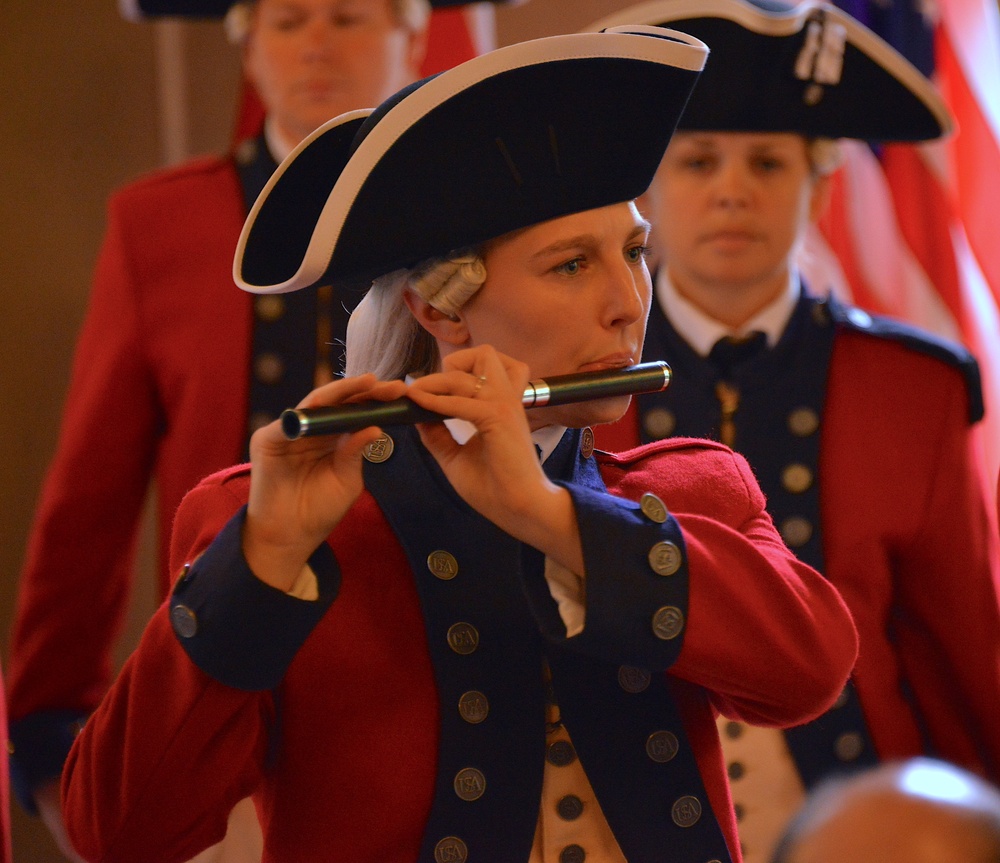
pixel 520 135
pixel 808 67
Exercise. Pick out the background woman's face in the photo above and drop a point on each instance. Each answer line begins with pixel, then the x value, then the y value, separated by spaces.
pixel 565 296
pixel 728 208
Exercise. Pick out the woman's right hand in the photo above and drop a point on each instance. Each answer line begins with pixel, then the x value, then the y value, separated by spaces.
pixel 301 489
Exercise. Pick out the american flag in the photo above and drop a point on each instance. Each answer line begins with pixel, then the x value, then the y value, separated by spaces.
pixel 912 229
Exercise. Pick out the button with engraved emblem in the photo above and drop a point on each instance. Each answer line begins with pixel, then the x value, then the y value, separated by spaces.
pixel 268 367
pixel 633 679
pixel 470 784
pixel 734 730
pixel 451 849
pixel 686 811
pixel 569 808
pixel 572 854
pixel 803 422
pixel 659 422
pixel 662 746
pixel 379 449
pixel 473 707
pixel 848 746
pixel 442 564
pixel 668 622
pixel 560 753
pixel 665 558
pixel 796 478
pixel 587 442
pixel 463 638
pixel 796 531
pixel 652 507
pixel 269 307
pixel 184 621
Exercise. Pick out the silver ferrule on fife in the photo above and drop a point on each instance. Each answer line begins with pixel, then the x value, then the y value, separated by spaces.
pixel 559 390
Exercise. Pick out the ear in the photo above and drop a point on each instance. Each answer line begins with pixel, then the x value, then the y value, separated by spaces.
pixel 416 50
pixel 819 200
pixel 450 331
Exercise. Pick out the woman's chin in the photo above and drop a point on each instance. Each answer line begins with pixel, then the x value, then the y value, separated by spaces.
pixel 581 414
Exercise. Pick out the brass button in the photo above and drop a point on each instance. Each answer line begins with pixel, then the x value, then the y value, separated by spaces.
pixel 662 746
pixel 268 367
pixel 686 811
pixel 633 679
pixel 451 849
pixel 185 574
pixel 796 531
pixel 652 507
pixel 665 558
pixel 659 422
pixel 470 784
pixel 10 748
pixel 803 422
pixel 734 730
pixel 796 478
pixel 184 621
pixel 813 94
pixel 442 564
pixel 572 854
pixel 569 808
pixel 848 746
pixel 587 442
pixel 259 419
pixel 473 707
pixel 246 152
pixel 379 450
pixel 841 699
pixel 560 753
pixel 463 638
pixel 668 622
pixel 269 307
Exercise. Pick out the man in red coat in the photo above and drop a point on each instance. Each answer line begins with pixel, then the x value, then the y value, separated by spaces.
pixel 859 428
pixel 175 367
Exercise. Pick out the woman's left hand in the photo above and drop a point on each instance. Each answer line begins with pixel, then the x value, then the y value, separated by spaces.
pixel 497 471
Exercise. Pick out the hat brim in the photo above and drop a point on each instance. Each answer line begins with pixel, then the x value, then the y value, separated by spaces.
pixel 760 77
pixel 515 137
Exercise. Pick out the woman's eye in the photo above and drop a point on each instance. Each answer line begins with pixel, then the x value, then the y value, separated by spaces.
pixel 635 254
pixel 571 267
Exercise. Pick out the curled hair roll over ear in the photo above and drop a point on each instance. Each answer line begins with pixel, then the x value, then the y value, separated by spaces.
pixel 384 338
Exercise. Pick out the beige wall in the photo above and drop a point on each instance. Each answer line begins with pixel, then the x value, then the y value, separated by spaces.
pixel 81 113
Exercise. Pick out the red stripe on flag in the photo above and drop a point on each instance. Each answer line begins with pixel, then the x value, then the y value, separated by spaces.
pixel 923 212
pixel 976 163
pixel 837 227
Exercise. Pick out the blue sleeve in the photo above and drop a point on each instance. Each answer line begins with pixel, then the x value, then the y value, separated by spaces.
pixel 233 626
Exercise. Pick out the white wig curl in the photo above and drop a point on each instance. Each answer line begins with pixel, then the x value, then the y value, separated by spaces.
pixel 383 337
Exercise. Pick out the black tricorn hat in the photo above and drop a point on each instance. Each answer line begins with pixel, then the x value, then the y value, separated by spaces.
pixel 136 10
pixel 808 68
pixel 506 140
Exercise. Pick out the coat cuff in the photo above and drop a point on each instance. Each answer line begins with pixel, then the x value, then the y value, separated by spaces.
pixel 636 581
pixel 233 626
pixel 39 744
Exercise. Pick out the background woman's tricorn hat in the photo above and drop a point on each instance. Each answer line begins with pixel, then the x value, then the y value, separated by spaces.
pixel 808 68
pixel 515 137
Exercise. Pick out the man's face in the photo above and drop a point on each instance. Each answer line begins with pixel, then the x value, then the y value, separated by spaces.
pixel 312 60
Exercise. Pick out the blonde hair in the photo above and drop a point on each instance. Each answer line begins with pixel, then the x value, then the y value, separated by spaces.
pixel 383 337
pixel 412 15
